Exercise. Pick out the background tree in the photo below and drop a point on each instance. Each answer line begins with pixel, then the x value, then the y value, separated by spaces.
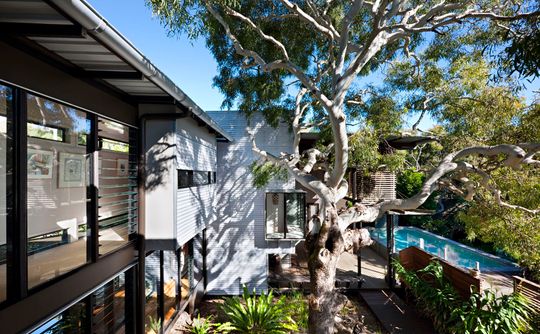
pixel 304 62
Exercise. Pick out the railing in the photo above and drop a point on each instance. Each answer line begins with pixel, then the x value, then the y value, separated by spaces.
pixel 530 290
pixel 414 258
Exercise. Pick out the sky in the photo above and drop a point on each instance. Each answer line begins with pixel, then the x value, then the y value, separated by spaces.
pixel 188 63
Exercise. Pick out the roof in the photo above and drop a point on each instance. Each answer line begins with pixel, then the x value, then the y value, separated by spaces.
pixel 404 142
pixel 74 35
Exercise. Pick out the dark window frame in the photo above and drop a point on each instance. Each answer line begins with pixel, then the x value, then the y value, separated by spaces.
pixel 209 178
pixel 284 215
pixel 17 194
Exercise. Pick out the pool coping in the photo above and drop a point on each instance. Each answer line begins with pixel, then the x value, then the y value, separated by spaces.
pixel 511 265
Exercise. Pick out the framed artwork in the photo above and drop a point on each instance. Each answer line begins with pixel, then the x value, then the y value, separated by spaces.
pixel 122 167
pixel 39 164
pixel 71 170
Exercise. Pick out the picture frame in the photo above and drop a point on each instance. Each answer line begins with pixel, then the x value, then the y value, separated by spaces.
pixel 39 164
pixel 71 171
pixel 122 167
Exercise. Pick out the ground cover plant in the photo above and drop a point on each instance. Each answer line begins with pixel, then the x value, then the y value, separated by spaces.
pixel 482 313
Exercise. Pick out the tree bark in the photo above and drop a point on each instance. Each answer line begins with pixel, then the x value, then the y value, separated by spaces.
pixel 324 250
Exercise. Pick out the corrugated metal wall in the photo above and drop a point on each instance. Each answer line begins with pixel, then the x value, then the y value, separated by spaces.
pixel 237 249
pixel 195 150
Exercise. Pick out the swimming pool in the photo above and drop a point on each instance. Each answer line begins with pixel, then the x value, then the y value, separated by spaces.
pixel 456 253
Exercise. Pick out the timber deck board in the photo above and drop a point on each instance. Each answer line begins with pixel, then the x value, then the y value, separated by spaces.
pixel 394 314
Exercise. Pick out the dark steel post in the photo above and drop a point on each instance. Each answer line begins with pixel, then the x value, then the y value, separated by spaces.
pixel 17 227
pixel 92 233
pixel 390 248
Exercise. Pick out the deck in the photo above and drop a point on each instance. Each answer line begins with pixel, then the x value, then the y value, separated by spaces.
pixel 373 272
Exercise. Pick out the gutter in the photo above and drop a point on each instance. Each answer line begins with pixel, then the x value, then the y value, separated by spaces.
pixel 101 30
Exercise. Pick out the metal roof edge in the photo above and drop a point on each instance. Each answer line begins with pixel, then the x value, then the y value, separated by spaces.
pixel 101 29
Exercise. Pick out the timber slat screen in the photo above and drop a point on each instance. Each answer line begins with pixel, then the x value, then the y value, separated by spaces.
pixel 530 290
pixel 370 189
pixel 413 258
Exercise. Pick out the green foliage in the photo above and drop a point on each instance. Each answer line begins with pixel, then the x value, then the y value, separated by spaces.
pixel 265 172
pixel 364 153
pixel 154 324
pixel 409 182
pixel 202 325
pixel 513 231
pixel 258 314
pixel 482 313
pixel 298 309
pixel 490 314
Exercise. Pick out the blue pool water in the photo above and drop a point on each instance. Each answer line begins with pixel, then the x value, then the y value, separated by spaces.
pixel 457 254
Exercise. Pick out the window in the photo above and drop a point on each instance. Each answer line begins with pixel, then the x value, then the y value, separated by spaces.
pixel 190 178
pixel 6 171
pixel 45 132
pixel 72 320
pixel 170 286
pixel 117 200
pixel 200 178
pixel 57 176
pixel 185 178
pixel 152 280
pixel 285 215
pixel 109 309
pixel 111 305
pixel 186 270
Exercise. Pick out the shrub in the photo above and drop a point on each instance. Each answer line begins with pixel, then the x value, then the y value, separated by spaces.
pixel 482 313
pixel 201 325
pixel 257 314
pixel 298 309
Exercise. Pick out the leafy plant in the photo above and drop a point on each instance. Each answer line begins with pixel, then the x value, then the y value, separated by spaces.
pixel 257 314
pixel 263 173
pixel 202 325
pixel 154 324
pixel 482 313
pixel 485 313
pixel 298 309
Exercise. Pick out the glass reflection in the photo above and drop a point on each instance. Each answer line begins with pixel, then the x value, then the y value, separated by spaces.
pixel 57 167
pixel 117 185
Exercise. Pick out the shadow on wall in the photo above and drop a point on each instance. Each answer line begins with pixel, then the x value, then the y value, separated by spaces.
pixel 232 252
pixel 158 159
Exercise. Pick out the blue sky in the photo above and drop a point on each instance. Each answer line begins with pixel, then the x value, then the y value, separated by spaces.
pixel 188 63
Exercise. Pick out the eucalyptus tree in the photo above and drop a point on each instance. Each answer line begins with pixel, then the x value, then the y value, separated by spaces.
pixel 306 62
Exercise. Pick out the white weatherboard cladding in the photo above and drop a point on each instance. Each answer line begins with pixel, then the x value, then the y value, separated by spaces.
pixel 195 150
pixel 237 251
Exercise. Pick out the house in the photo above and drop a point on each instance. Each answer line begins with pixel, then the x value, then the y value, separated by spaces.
pixel 121 201
pixel 107 176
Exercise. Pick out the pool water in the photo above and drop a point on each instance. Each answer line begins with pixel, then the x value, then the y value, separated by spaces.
pixel 456 253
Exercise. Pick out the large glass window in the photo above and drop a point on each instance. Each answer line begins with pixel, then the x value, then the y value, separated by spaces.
pixel 72 320
pixel 170 286
pixel 285 215
pixel 117 185
pixel 6 114
pixel 186 271
pixel 109 307
pixel 152 280
pixel 57 168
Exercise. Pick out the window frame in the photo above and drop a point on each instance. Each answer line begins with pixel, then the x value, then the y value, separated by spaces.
pixel 17 193
pixel 209 178
pixel 284 217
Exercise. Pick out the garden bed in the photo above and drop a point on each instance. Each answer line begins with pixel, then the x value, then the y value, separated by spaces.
pixel 355 317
